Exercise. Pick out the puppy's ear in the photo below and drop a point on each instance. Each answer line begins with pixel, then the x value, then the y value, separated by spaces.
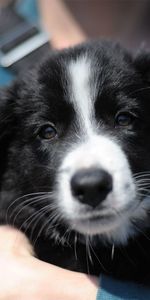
pixel 142 64
pixel 7 120
pixel 6 113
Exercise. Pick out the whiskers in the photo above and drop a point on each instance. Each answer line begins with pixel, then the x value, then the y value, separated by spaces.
pixel 142 181
pixel 21 203
pixel 36 210
pixel 49 224
pixel 140 230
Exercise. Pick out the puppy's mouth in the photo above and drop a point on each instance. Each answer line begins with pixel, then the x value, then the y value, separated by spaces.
pixel 93 225
pixel 103 222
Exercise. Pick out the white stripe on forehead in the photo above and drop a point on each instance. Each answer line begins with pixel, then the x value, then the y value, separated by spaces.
pixel 82 94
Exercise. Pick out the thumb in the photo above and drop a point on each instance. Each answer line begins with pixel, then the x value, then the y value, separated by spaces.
pixel 14 241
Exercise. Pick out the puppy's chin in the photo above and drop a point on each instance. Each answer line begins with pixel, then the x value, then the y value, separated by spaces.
pixel 109 227
pixel 95 225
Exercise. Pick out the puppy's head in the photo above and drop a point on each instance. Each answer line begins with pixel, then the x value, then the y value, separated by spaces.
pixel 80 131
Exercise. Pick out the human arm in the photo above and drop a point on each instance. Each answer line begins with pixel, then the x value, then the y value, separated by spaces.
pixel 64 30
pixel 24 277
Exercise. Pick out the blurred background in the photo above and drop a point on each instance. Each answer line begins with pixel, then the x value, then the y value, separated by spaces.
pixel 126 20
pixel 69 22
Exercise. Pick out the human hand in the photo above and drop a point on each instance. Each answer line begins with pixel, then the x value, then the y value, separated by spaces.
pixel 63 28
pixel 24 277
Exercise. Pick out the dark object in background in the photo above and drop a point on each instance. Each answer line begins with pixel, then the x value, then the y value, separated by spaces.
pixel 126 20
pixel 22 43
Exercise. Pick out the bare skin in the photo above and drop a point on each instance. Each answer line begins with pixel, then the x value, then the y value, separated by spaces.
pixel 24 277
pixel 59 22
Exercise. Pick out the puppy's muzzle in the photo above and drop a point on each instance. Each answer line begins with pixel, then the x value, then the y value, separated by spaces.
pixel 91 186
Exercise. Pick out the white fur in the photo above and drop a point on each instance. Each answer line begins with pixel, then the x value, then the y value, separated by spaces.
pixel 81 93
pixel 95 150
pixel 103 153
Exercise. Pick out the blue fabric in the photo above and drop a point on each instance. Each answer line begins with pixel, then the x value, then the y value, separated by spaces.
pixel 28 9
pixel 111 289
pixel 5 77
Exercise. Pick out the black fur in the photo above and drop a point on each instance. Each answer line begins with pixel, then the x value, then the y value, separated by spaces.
pixel 29 164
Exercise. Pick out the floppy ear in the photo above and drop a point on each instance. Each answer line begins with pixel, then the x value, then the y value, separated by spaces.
pixel 6 112
pixel 6 125
pixel 142 64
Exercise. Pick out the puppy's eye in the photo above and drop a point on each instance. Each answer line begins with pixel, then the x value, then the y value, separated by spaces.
pixel 47 132
pixel 123 119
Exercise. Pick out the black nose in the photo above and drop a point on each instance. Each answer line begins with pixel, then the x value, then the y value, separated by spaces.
pixel 91 186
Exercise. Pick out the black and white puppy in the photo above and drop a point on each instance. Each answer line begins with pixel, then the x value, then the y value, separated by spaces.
pixel 75 159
